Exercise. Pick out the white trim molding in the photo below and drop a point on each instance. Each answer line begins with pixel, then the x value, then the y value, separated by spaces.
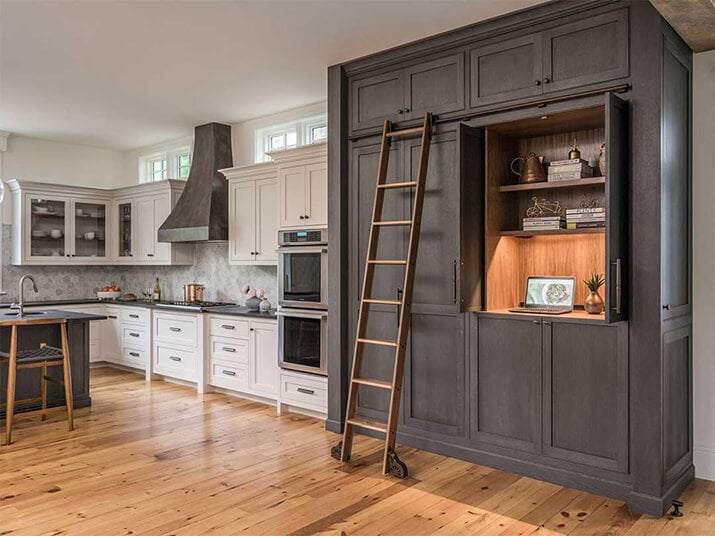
pixel 3 140
pixel 3 147
pixel 704 461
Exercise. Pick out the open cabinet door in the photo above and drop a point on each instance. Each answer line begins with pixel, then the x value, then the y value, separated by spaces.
pixel 617 223
pixel 470 269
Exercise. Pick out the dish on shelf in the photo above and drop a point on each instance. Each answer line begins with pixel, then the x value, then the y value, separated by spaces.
pixel 43 210
pixel 39 234
pixel 56 253
pixel 56 233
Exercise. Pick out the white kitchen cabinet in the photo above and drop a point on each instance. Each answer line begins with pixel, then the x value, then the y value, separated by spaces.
pixel 111 331
pixel 263 358
pixel 178 346
pixel 302 186
pixel 306 391
pixel 63 225
pixel 253 214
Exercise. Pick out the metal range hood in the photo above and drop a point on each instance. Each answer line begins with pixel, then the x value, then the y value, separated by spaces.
pixel 201 213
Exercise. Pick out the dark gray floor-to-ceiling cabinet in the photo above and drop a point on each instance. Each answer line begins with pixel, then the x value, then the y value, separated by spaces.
pixel 601 405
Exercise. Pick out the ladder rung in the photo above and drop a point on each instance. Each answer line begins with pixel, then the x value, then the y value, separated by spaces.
pixel 378 342
pixel 370 425
pixel 405 132
pixel 392 223
pixel 384 261
pixel 382 302
pixel 389 185
pixel 373 383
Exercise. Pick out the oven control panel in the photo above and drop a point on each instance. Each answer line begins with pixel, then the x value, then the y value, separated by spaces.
pixel 303 237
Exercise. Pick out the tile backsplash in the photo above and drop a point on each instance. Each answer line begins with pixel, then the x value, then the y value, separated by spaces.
pixel 210 268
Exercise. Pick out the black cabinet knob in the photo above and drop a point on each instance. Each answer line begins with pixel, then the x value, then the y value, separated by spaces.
pixel 666 307
pixel 547 80
pixel 537 82
pixel 302 217
pixel 307 217
pixel 400 111
pixel 407 110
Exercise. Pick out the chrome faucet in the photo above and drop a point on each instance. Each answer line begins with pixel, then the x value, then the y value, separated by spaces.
pixel 20 307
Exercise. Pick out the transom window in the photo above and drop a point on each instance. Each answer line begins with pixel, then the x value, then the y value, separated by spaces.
pixel 288 135
pixel 158 169
pixel 184 164
pixel 174 163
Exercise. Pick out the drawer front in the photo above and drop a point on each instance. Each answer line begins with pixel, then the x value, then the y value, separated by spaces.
pixel 232 328
pixel 134 315
pixel 112 312
pixel 134 335
pixel 229 376
pixel 176 329
pixel 134 357
pixel 175 363
pixel 232 351
pixel 304 391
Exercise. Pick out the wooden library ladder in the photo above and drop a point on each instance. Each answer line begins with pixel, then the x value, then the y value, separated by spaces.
pixel 391 463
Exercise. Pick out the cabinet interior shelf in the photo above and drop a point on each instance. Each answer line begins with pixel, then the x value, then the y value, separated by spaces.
pixel 527 234
pixel 589 181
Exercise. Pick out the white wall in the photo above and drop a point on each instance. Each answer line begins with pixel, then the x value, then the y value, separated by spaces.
pixel 62 163
pixel 704 263
pixel 129 167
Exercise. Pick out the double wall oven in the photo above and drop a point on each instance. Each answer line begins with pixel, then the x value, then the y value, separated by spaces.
pixel 303 300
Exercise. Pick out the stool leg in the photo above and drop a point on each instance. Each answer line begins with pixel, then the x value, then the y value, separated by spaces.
pixel 67 377
pixel 43 391
pixel 11 376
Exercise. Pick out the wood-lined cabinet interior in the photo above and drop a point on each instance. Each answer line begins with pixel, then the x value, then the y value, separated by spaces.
pixel 570 55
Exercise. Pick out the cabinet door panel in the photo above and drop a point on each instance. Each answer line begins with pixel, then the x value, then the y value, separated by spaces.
pixel 145 229
pixel 435 86
pixel 508 383
pixel 677 400
pixel 586 394
pixel 266 221
pixel 316 181
pixel 293 202
pixel 47 230
pixel 435 373
pixel 505 71
pixel 436 270
pixel 265 373
pixel 243 222
pixel 591 50
pixel 376 98
pixel 161 210
pixel 89 233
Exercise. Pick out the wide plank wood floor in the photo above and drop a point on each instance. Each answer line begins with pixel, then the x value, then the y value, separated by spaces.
pixel 158 459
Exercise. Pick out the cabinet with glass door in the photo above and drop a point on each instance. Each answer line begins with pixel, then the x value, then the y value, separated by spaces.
pixel 89 231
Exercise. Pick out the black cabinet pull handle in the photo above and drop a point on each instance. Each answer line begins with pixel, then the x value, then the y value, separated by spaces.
pixel 229 373
pixel 176 330
pixel 133 316
pixel 228 326
pixel 454 280
pixel 619 286
pixel 305 391
pixel 251 329
pixel 134 335
pixel 547 80
pixel 228 349
pixel 174 358
pixel 113 317
pixel 547 323
pixel 535 322
pixel 537 82
pixel 666 307
pixel 134 354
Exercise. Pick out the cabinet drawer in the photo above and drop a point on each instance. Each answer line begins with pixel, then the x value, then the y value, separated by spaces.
pixel 134 357
pixel 229 376
pixel 176 363
pixel 176 329
pixel 112 313
pixel 233 351
pixel 232 328
pixel 134 335
pixel 304 390
pixel 134 315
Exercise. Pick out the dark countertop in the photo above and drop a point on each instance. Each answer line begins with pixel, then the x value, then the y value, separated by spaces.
pixel 69 316
pixel 230 310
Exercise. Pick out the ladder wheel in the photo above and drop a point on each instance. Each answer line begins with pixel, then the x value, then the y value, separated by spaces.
pixel 337 451
pixel 395 466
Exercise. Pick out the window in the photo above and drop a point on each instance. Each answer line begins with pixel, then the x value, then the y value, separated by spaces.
pixel 288 135
pixel 174 163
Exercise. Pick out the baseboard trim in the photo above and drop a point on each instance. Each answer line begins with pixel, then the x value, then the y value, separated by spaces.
pixel 704 461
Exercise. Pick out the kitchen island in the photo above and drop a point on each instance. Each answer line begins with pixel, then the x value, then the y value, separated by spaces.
pixel 29 337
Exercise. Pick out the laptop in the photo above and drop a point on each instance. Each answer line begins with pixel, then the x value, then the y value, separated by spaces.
pixel 548 295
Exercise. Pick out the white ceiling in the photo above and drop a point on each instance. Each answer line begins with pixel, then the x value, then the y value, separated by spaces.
pixel 125 74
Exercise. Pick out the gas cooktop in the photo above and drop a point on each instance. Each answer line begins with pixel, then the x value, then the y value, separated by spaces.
pixel 191 306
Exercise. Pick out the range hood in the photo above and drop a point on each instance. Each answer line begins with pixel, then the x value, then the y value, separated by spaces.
pixel 201 213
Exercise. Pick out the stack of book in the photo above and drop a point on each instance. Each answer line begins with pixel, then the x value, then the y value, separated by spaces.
pixel 545 223
pixel 585 218
pixel 568 170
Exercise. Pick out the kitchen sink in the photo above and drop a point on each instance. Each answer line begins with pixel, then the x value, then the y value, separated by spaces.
pixel 28 313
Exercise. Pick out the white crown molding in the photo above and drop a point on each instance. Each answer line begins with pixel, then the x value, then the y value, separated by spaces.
pixel 297 154
pixel 261 170
pixel 3 140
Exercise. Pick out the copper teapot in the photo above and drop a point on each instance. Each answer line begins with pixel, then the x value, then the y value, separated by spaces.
pixel 531 169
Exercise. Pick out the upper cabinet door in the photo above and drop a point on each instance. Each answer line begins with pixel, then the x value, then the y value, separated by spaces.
pixel 376 98
pixel 161 209
pixel 126 230
pixel 48 224
pixel 243 221
pixel 146 232
pixel 316 195
pixel 591 50
pixel 435 86
pixel 89 233
pixel 293 202
pixel 617 186
pixel 266 222
pixel 505 71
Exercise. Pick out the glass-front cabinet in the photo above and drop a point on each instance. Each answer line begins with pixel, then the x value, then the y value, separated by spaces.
pixel 89 234
pixel 125 229
pixel 48 227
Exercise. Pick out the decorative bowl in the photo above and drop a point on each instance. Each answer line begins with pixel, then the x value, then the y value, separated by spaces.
pixel 108 295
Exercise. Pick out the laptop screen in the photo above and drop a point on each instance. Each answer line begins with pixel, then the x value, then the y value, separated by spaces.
pixel 550 292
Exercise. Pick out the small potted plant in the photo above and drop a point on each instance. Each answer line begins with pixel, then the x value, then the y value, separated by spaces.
pixel 594 303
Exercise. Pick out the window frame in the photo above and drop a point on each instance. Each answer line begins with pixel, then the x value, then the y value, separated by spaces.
pixel 171 157
pixel 303 129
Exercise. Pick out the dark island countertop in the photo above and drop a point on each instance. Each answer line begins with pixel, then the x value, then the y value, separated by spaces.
pixel 7 318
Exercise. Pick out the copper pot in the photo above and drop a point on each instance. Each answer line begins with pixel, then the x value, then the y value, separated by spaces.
pixel 194 292
pixel 531 168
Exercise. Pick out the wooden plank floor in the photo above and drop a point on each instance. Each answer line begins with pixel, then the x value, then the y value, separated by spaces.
pixel 157 459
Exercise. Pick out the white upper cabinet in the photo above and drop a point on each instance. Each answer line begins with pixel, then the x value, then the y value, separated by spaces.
pixel 253 214
pixel 302 186
pixel 54 224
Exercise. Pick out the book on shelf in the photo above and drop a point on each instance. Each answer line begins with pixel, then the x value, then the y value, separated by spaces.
pixel 568 175
pixel 570 167
pixel 544 218
pixel 586 217
pixel 594 210
pixel 586 225
pixel 568 161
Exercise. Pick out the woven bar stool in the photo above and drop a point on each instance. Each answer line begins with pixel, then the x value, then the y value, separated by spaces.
pixel 40 358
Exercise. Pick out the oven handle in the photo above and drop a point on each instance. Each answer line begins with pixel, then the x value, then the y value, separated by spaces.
pixel 295 313
pixel 302 249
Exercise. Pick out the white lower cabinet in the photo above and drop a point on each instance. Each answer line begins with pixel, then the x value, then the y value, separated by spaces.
pixel 304 391
pixel 178 347
pixel 126 336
